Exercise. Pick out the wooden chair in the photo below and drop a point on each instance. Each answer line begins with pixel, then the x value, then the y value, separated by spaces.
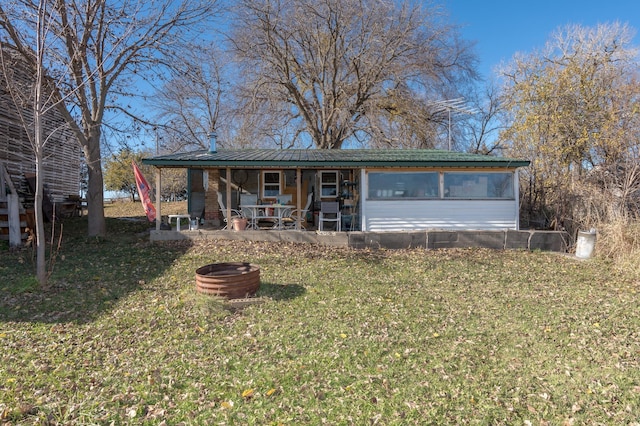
pixel 329 212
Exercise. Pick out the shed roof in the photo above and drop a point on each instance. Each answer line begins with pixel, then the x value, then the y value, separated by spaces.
pixel 325 158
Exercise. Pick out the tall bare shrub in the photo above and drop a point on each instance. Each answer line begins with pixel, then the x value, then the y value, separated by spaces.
pixel 573 112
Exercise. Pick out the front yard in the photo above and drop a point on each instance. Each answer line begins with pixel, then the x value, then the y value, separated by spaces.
pixel 342 337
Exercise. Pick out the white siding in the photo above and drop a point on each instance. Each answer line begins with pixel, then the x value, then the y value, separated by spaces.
pixel 411 215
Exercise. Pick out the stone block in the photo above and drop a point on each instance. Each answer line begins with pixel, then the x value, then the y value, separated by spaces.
pixel 517 240
pixel 549 241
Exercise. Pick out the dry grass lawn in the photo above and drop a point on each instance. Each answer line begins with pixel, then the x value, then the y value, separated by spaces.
pixel 343 336
pixel 131 209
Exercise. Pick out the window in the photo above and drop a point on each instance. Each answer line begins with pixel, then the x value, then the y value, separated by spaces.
pixel 478 185
pixel 271 184
pixel 328 184
pixel 403 185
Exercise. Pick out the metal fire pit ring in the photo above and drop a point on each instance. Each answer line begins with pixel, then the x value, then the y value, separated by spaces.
pixel 231 280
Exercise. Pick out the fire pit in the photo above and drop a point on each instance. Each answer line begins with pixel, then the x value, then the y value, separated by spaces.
pixel 231 280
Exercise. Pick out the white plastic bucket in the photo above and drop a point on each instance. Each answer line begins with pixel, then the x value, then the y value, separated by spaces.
pixel 586 244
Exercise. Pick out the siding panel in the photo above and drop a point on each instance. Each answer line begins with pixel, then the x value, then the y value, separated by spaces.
pixel 401 215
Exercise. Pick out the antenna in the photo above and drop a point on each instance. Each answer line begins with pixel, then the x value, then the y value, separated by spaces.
pixel 456 105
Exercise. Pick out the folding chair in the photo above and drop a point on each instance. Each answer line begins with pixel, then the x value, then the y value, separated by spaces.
pixel 329 212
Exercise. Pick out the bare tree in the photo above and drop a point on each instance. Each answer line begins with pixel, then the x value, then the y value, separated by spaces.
pixel 32 104
pixel 573 110
pixel 102 50
pixel 334 65
pixel 189 103
pixel 481 131
pixel 403 120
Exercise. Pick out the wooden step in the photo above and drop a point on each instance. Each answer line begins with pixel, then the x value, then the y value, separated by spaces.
pixel 5 223
pixel 5 237
pixel 5 211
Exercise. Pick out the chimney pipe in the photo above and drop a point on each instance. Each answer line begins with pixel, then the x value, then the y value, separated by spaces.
pixel 213 137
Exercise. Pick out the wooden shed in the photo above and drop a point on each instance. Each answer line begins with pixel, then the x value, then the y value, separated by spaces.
pixel 62 153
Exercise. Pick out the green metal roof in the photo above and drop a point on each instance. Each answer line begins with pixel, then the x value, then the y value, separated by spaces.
pixel 334 158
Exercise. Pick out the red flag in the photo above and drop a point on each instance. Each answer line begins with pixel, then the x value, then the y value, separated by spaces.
pixel 144 190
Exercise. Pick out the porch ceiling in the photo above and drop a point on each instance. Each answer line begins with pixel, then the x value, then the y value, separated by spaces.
pixel 341 158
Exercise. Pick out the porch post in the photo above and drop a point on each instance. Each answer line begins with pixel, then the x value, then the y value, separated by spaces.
pixel 158 192
pixel 15 236
pixel 299 197
pixel 516 189
pixel 211 187
pixel 228 198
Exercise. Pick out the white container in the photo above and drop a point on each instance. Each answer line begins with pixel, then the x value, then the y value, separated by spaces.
pixel 586 243
pixel 193 224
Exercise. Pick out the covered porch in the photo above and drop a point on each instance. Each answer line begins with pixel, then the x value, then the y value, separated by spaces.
pixel 273 198
pixel 269 199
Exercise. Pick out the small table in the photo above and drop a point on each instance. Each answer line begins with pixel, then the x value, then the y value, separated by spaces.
pixel 262 211
pixel 177 217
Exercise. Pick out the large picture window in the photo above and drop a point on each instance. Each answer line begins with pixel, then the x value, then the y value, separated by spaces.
pixel 478 185
pixel 403 185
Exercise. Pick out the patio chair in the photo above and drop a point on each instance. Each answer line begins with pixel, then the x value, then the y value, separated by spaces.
pixel 249 213
pixel 329 212
pixel 298 216
pixel 284 198
pixel 248 199
pixel 234 213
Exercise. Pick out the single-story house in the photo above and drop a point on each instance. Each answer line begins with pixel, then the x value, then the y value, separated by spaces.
pixel 377 190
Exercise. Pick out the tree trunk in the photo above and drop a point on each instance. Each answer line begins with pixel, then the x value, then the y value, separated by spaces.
pixel 95 191
pixel 41 261
pixel 41 269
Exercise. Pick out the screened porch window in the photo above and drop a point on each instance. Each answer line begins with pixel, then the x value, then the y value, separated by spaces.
pixel 403 185
pixel 479 185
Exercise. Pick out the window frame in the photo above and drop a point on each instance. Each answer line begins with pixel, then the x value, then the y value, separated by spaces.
pixel 264 184
pixel 402 189
pixel 477 185
pixel 334 186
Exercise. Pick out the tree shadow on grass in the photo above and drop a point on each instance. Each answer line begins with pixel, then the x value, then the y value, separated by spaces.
pixel 90 274
pixel 281 291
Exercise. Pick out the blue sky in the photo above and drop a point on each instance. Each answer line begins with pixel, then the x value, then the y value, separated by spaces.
pixel 503 27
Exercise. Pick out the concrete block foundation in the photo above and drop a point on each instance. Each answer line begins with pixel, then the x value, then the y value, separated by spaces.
pixel 434 240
